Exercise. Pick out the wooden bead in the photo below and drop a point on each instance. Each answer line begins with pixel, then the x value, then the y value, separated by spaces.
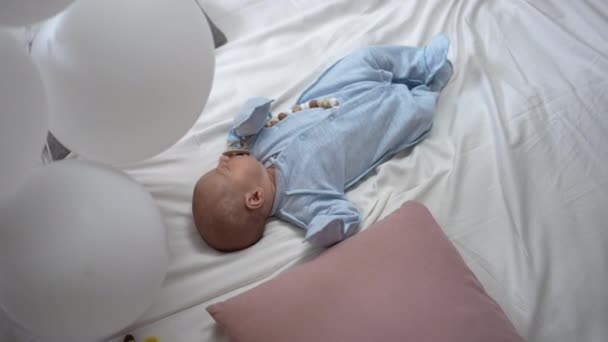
pixel 313 104
pixel 296 108
pixel 271 122
pixel 282 115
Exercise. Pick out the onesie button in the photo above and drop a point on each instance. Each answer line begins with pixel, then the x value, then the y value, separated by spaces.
pixel 331 117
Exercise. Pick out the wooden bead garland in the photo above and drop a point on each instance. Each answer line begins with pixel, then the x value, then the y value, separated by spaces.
pixel 325 103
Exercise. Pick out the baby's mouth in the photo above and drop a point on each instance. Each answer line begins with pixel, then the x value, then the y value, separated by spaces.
pixel 236 152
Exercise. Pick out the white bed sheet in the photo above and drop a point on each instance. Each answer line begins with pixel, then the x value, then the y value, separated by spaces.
pixel 515 169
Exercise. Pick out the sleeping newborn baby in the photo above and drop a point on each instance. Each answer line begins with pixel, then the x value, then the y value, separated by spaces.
pixel 365 108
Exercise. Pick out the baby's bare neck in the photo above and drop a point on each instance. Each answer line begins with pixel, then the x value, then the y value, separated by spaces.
pixel 271 189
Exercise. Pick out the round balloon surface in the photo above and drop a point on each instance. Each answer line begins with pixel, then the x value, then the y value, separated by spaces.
pixel 128 90
pixel 23 114
pixel 83 251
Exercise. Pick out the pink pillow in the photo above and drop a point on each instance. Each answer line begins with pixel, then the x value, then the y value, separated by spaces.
pixel 399 280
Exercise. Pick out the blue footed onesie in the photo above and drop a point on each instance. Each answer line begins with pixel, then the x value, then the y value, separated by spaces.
pixel 386 96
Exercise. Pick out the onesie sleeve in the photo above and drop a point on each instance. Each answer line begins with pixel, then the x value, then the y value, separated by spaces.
pixel 250 119
pixel 340 221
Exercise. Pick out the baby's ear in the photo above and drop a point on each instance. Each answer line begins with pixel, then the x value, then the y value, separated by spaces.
pixel 254 199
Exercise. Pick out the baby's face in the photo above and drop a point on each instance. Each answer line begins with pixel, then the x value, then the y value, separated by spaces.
pixel 240 169
pixel 218 203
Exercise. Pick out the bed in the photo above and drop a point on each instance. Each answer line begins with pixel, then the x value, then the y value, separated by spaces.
pixel 515 169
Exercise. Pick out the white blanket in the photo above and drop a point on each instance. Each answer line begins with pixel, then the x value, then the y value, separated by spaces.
pixel 515 169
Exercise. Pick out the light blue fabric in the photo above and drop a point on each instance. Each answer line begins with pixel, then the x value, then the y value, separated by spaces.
pixel 250 119
pixel 387 96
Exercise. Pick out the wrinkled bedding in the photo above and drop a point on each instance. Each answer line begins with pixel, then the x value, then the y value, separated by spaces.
pixel 515 169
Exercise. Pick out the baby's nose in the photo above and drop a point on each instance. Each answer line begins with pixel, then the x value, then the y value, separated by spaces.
pixel 223 159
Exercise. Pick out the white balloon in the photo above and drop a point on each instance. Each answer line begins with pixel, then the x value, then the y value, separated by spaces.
pixel 26 12
pixel 125 79
pixel 23 115
pixel 83 251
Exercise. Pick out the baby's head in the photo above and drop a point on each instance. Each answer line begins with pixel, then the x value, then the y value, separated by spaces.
pixel 231 203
